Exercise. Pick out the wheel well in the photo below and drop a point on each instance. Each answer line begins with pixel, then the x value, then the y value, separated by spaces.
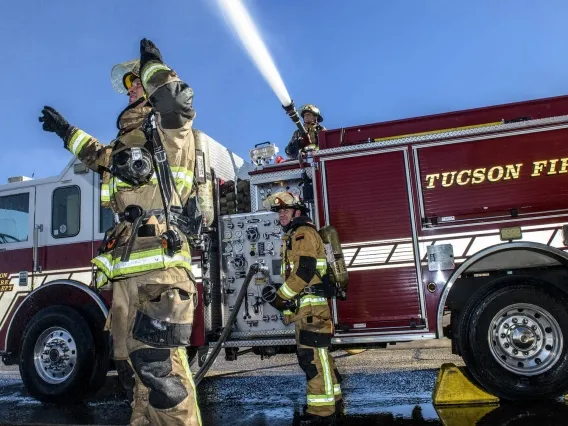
pixel 67 293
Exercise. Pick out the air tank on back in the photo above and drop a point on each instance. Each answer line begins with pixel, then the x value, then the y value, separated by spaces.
pixel 204 178
pixel 334 255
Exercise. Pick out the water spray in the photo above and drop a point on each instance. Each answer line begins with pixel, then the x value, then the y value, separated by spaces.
pixel 239 19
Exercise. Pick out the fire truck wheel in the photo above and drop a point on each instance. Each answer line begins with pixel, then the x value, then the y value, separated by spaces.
pixel 57 356
pixel 512 339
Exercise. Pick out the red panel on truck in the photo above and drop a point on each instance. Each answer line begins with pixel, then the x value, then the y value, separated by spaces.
pixel 367 198
pixel 491 177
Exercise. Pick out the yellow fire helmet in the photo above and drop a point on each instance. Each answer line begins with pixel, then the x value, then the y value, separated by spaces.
pixel 313 109
pixel 283 200
pixel 123 74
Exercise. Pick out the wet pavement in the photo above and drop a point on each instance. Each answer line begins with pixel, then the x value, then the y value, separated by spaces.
pixel 380 387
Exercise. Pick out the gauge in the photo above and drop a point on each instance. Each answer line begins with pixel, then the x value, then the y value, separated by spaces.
pixel 277 229
pixel 238 247
pixel 268 245
pixel 238 235
pixel 227 235
pixel 228 248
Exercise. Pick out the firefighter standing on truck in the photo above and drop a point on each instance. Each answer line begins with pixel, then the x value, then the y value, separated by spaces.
pixel 312 119
pixel 303 299
pixel 146 259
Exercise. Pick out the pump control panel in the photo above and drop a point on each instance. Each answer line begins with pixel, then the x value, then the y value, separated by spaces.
pixel 245 239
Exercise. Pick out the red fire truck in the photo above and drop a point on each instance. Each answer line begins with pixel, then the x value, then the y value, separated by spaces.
pixel 457 216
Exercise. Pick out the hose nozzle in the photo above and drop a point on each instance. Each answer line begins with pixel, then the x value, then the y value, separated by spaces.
pixel 293 114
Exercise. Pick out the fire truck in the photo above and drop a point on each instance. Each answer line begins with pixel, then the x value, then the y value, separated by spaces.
pixel 452 225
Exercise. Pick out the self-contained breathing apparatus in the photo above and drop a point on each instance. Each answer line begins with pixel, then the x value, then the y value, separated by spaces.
pixel 136 166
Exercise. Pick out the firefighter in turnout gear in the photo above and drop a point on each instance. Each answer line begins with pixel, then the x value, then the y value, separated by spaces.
pixel 312 119
pixel 303 299
pixel 147 179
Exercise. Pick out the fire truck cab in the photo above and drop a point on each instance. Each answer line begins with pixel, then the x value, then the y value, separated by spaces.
pixel 452 225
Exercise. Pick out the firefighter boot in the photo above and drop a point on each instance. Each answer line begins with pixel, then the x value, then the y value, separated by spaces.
pixel 308 419
pixel 339 409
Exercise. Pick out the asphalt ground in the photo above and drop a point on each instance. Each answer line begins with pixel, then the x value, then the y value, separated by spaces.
pixel 386 387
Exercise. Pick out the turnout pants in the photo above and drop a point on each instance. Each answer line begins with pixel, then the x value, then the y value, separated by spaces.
pixel 323 388
pixel 150 324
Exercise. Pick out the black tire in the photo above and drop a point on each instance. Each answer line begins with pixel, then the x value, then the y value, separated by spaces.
pixel 528 373
pixel 72 388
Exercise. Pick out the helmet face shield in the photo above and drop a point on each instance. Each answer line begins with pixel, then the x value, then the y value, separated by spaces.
pixel 122 72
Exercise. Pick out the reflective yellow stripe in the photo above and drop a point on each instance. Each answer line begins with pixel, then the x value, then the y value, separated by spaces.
pixel 311 300
pixel 78 141
pixel 286 291
pixel 141 261
pixel 326 370
pixel 320 400
pixel 321 266
pixel 337 389
pixel 182 352
pixel 151 70
pixel 100 279
pixel 287 312
pixel 105 192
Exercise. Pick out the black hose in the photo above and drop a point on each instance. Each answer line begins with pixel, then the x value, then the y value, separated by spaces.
pixel 253 270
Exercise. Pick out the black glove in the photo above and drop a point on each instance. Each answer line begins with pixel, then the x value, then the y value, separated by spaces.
pixel 54 122
pixel 283 305
pixel 148 52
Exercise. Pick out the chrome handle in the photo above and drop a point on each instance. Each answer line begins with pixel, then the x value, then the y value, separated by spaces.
pixel 37 230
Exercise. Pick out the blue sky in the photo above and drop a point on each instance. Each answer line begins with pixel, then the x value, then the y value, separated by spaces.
pixel 360 61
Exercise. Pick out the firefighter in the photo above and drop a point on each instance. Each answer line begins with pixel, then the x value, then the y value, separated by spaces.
pixel 303 299
pixel 145 259
pixel 312 119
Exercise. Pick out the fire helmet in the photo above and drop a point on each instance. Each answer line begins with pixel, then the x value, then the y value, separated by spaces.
pixel 313 109
pixel 123 74
pixel 284 200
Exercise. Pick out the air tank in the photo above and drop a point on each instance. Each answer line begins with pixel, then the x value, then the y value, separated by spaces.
pixel 203 177
pixel 335 260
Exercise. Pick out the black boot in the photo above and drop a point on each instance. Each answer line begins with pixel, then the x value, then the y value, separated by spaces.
pixel 308 419
pixel 339 409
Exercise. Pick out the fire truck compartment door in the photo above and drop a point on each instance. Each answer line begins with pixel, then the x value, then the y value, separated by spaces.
pixel 367 201
pixel 17 208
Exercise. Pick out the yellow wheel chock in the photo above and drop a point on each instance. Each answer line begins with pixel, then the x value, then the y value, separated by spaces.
pixel 457 400
pixel 454 388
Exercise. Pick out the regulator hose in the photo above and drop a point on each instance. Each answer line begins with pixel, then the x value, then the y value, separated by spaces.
pixel 254 269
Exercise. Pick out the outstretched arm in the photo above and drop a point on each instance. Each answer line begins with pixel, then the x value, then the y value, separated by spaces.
pixel 85 147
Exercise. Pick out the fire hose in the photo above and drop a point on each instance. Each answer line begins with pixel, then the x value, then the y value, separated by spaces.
pixel 254 269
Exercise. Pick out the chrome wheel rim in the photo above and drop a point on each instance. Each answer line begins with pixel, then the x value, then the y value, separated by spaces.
pixel 55 355
pixel 525 339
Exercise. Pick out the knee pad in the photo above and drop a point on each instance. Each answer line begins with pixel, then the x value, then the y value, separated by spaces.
pixel 154 367
pixel 305 359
